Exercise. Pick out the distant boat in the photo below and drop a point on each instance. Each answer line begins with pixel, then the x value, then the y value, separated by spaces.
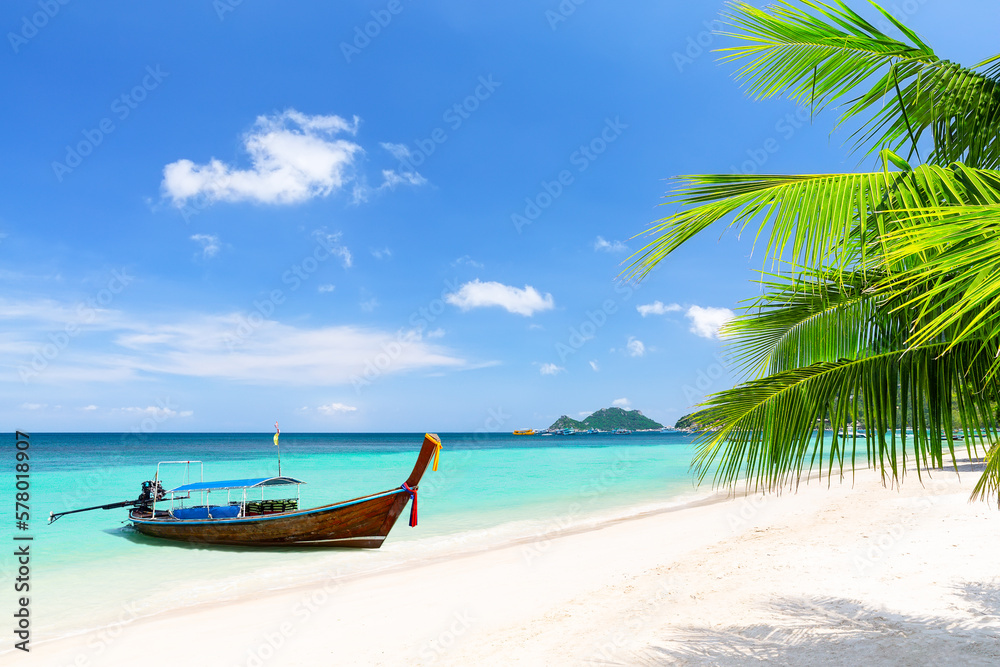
pixel 242 521
pixel 527 431
pixel 565 431
pixel 621 431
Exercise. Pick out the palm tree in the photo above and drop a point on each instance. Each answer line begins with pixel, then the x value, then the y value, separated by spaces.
pixel 883 296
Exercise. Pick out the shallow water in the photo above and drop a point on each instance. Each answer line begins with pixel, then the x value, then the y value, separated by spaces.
pixel 89 570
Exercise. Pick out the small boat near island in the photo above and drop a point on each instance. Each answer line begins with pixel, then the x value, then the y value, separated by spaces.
pixel 244 521
pixel 527 431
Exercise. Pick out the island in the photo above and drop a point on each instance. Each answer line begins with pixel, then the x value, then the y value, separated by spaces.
pixel 609 419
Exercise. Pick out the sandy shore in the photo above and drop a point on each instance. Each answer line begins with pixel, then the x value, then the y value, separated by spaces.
pixel 826 576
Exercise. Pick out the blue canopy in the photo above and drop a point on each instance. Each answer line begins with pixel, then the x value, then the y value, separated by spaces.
pixel 236 484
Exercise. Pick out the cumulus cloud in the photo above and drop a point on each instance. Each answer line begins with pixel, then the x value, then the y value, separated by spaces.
pixel 382 253
pixel 294 157
pixel 209 244
pixel 705 322
pixel 657 308
pixel 550 369
pixel 620 403
pixel 594 366
pixel 89 408
pixel 336 408
pixel 476 294
pixel 609 246
pixel 635 347
pixel 326 289
pixel 32 406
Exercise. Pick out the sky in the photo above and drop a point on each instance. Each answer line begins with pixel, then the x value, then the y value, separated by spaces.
pixel 377 216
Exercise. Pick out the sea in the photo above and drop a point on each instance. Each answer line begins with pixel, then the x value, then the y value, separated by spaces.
pixel 90 570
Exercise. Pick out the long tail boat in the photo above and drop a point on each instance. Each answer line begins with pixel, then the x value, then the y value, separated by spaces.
pixel 360 522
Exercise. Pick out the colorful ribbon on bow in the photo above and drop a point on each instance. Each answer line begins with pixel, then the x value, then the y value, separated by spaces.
pixel 413 507
pixel 437 454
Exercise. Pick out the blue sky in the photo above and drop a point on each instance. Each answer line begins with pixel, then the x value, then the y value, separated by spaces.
pixel 218 215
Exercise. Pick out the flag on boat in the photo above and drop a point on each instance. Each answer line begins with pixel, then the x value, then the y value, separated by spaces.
pixel 277 432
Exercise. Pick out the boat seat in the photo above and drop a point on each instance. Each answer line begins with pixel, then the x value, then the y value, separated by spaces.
pixel 216 512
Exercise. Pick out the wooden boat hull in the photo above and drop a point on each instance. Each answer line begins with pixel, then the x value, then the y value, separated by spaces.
pixel 362 522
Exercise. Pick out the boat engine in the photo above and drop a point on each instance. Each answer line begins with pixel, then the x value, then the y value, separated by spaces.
pixel 151 490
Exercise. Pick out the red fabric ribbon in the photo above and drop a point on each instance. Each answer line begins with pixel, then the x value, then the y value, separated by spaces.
pixel 413 507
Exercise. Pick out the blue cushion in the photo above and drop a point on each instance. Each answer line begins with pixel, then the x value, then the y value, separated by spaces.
pixel 218 512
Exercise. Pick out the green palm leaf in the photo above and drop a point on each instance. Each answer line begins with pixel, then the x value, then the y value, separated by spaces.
pixel 771 431
pixel 818 58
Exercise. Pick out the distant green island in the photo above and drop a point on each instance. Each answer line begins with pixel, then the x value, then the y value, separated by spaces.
pixel 688 422
pixel 608 419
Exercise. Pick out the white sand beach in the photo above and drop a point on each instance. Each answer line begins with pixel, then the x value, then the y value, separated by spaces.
pixel 853 574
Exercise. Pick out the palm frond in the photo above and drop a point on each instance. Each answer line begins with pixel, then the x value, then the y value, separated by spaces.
pixel 807 318
pixel 771 431
pixel 815 220
pixel 953 259
pixel 905 90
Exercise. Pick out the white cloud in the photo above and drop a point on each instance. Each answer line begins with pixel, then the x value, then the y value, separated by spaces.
pixel 336 408
pixel 294 157
pixel 476 294
pixel 157 413
pixel 326 289
pixel 370 305
pixel 594 366
pixel 89 408
pixel 635 347
pixel 115 347
pixel 399 151
pixel 467 259
pixel 550 369
pixel 435 333
pixel 657 308
pixel 33 406
pixel 705 322
pixel 331 242
pixel 609 246
pixel 209 244
pixel 392 178
pixel 382 253
pixel 620 403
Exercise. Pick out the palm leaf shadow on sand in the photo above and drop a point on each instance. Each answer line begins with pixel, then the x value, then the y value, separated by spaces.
pixel 836 631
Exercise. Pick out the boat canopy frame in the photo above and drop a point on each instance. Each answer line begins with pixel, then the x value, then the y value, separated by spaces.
pixel 183 492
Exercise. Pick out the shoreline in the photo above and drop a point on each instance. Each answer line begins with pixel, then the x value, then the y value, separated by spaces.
pixel 630 590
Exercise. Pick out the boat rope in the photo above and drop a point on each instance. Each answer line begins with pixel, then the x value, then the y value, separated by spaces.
pixel 437 454
pixel 413 507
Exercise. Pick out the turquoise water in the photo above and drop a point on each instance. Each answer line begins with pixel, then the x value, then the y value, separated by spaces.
pixel 90 569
